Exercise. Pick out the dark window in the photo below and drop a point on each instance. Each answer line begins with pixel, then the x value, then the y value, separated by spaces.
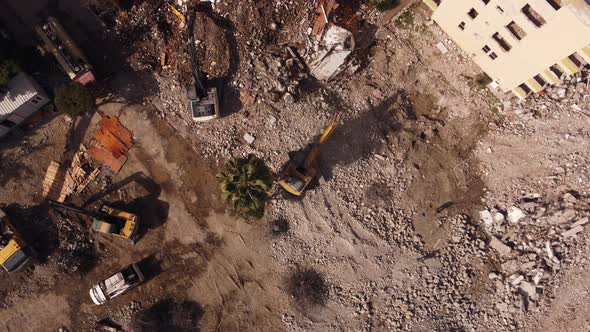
pixel 502 42
pixel 500 9
pixel 533 16
pixel 486 49
pixel 516 30
pixel 472 13
pixel 462 25
pixel 485 1
pixel 540 80
pixel 556 4
pixel 575 60
pixel 555 69
pixel 493 55
pixel 526 88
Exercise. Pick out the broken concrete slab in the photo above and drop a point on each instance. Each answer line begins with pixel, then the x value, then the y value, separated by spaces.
pixel 249 138
pixel 580 222
pixel 486 217
pixel 500 247
pixel 515 214
pixel 335 48
pixel 442 48
pixel 572 232
pixel 528 289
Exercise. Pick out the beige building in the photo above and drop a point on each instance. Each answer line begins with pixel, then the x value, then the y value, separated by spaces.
pixel 523 45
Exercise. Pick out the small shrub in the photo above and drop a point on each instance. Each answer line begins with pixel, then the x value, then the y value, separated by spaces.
pixel 383 5
pixel 245 183
pixel 8 69
pixel 74 99
pixel 405 20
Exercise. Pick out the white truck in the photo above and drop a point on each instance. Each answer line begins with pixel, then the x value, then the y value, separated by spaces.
pixel 116 284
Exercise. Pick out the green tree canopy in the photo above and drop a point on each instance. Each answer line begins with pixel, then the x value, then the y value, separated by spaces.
pixel 245 183
pixel 73 99
pixel 8 69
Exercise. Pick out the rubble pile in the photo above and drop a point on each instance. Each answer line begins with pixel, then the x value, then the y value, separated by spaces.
pixel 534 239
pixel 571 95
pixel 76 250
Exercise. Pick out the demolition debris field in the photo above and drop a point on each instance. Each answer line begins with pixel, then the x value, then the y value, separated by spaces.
pixel 441 207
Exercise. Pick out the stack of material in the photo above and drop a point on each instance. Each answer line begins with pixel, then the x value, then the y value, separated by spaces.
pixel 112 142
pixel 60 182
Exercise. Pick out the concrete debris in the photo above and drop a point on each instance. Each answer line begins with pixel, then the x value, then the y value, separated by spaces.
pixel 249 138
pixel 529 289
pixel 442 48
pixel 335 48
pixel 486 217
pixel 500 247
pixel 515 214
pixel 572 232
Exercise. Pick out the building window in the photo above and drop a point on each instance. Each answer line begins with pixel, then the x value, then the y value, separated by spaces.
pixel 540 80
pixel 34 101
pixel 485 1
pixel 525 88
pixel 500 9
pixel 462 25
pixel 486 49
pixel 472 13
pixel 556 4
pixel 555 69
pixel 493 55
pixel 576 60
pixel 533 16
pixel 502 42
pixel 516 30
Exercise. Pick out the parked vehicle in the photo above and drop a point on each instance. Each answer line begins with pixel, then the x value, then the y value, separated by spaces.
pixel 116 284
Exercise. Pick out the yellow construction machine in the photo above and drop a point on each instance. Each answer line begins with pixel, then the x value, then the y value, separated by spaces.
pixel 14 254
pixel 108 220
pixel 298 175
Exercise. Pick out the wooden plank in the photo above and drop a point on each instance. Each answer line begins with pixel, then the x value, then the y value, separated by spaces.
pixel 87 181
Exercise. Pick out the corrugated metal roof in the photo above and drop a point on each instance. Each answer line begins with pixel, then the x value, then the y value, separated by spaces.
pixel 21 89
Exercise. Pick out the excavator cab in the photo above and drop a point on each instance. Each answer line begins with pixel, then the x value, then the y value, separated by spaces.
pixel 299 174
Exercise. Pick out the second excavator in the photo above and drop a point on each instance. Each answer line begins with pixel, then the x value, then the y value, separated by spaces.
pixel 299 173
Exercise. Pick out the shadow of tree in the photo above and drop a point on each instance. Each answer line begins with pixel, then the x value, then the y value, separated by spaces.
pixel 169 315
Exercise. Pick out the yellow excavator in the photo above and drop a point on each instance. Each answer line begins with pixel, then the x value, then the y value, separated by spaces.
pixel 108 220
pixel 14 254
pixel 297 176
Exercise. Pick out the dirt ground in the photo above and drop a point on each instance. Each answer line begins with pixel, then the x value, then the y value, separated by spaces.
pixel 391 232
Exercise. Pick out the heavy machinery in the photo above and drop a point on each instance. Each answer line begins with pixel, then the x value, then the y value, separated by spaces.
pixel 203 100
pixel 299 173
pixel 69 56
pixel 14 254
pixel 108 220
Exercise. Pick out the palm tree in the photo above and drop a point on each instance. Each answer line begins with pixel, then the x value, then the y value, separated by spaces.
pixel 245 182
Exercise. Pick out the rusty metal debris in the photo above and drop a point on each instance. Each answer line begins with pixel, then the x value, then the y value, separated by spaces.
pixel 112 141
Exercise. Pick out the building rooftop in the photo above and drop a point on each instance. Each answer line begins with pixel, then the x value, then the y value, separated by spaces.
pixel 19 90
